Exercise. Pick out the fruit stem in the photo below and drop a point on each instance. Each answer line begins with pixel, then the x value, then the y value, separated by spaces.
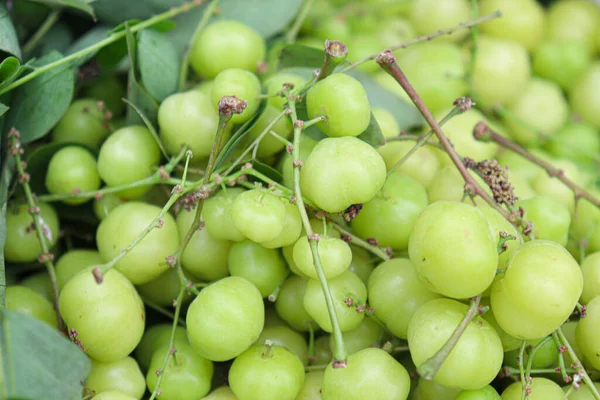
pixel 335 54
pixel 292 33
pixel 577 364
pixel 185 62
pixel 149 126
pixel 340 353
pixel 474 37
pixel 161 310
pixel 532 353
pixel 48 23
pixel 522 369
pixel 483 132
pixel 561 357
pixel 114 37
pixel 46 257
pixel 348 236
pixel 429 368
pixel 426 38
pixel 273 296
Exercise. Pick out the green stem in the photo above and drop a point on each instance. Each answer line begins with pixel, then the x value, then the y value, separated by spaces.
pixel 185 62
pixel 115 37
pixel 357 241
pixel 48 23
pixel 162 310
pixel 292 33
pixel 531 355
pixel 335 54
pixel 522 369
pixel 474 37
pixel 561 357
pixel 578 364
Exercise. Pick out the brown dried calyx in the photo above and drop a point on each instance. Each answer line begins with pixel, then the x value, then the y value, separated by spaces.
pixel 229 105
pixel 496 177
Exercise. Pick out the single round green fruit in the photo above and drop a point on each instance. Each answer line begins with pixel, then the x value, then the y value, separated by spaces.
pixel 313 383
pixel 583 95
pixel 545 356
pixel 269 145
pixel 71 170
pixel 274 84
pixel 429 16
pixel 367 334
pixel 217 214
pixel 114 395
pixel 587 333
pixel 292 227
pixel 106 204
pixel 561 61
pixel 221 393
pixel 590 268
pixel 241 83
pixel 110 90
pixel 123 375
pixel 541 389
pixel 576 20
pixel 422 165
pixel 487 393
pixel 26 301
pixel 289 304
pixel 578 142
pixel 522 21
pixel 84 123
pixel 73 261
pixel 335 255
pixel 22 242
pixel 155 337
pixel 282 335
pixel 39 282
pixel 258 215
pixel 551 219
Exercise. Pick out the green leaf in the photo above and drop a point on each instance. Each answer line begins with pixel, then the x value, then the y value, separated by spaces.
pixel 88 39
pixel 76 4
pixel 297 55
pixel 40 103
pixel 37 361
pixel 373 134
pixel 9 70
pixel 162 26
pixel 150 128
pixel 8 36
pixel 3 109
pixel 159 64
pixel 268 171
pixel 58 38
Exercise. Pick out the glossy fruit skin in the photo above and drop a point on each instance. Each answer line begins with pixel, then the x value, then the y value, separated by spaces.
pixel 187 377
pixel 274 84
pixel 39 283
pixel 590 268
pixel 123 375
pixel 583 96
pixel 343 100
pixel 313 382
pixel 391 215
pixel 340 287
pixel 497 224
pixel 538 291
pixel 449 185
pixel 477 357
pixel 455 263
pixel 587 333
pixel 83 123
pixel 584 393
pixel 460 132
pixel 104 205
pixel 366 335
pixel 205 256
pixel 241 83
pixel 71 262
pixel 561 61
pixel 163 289
pixel 285 165
pixel 428 16
pixel 146 261
pixel 578 142
pixel 128 155
pixel 72 169
pixel 284 336
pixel 258 215
pixel 225 319
pixel 487 393
pixel 335 255
pixel 574 20
pixel 269 145
pixel 431 390
pixel 26 301
pixel 340 172
pixel 109 318
pixel 188 118
pixel 226 44
pixel 551 219
pixel 113 395
pixel 522 21
pixel 217 214
pixel 422 165
pixel 22 243
pixel 395 293
pixel 264 374
pixel 292 227
pixel 155 337
pixel 370 372
pixel 289 304
pixel 541 389
pixel 546 185
pixel 545 356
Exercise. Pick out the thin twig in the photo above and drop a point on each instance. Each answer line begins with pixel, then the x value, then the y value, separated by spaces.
pixel 355 240
pixel 292 33
pixel 48 23
pixel 162 310
pixel 578 365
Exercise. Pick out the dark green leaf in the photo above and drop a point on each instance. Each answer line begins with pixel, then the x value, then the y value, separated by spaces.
pixel 89 38
pixel 58 38
pixel 112 54
pixel 76 4
pixel 372 134
pixel 162 26
pixel 38 361
pixel 8 36
pixel 39 104
pixel 9 70
pixel 150 127
pixel 159 64
pixel 3 109
pixel 268 171
pixel 297 55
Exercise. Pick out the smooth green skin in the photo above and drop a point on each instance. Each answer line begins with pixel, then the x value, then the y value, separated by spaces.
pixel 429 16
pixel 274 84
pixel 343 100
pixel 576 20
pixel 264 374
pixel 422 165
pixel 225 319
pixel 431 390
pixel 83 123
pixel 335 255
pixel 109 318
pixel 362 46
pixel 226 44
pixel 549 186
pixel 371 373
pixel 569 329
pixel 457 263
pixel 313 382
pixel 285 165
pixel 366 335
pixel 258 215
pixel 502 70
pixel 585 224
pixel 340 172
pixel 541 109
pixel 221 393
pixel 292 227
pixel 448 184
pixel 522 187
pixel 584 393
pixel 387 122
pixel 269 145
pixel 73 261
pixel 128 155
pixel 362 264
pixel 391 215
pixel 551 219
pixel 323 353
pixel 508 342
pixel 587 333
pixel 460 132
pixel 72 169
pixel 217 214
pixel 436 71
pixel 188 118
pixel 288 254
pixel 497 224
pixel 395 293
pixel 578 142
pixel 106 204
pixel 272 319
pixel 545 357
pixel 146 261
pixel 27 301
pixel 39 282
pixel 538 291
pixel 204 256
pixel 155 337
pixel 520 166
pixel 541 389
pixel 522 21
pixel 394 29
pixel 590 268
pixel 487 393
pixel 477 357
pixel 114 395
pixel 289 304
pixel 583 96
pixel 22 243
pixel 340 287
pixel 283 336
pixel 163 290
pixel 186 377
pixel 264 268
pixel 333 28
pixel 241 83
pixel 122 375
pixel 561 61
pixel 110 90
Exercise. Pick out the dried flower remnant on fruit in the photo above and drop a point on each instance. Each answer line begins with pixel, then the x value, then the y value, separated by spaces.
pixel 73 336
pixel 229 105
pixel 464 103
pixel 352 212
pixel 336 48
pixel 496 177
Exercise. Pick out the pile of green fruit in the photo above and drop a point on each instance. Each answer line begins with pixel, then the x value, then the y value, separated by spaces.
pixel 300 200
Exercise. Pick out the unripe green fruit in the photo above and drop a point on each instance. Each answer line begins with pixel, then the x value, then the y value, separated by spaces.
pixel 522 21
pixel 292 227
pixel 269 145
pixel 289 304
pixel 71 262
pixel 123 375
pixel 83 123
pixel 541 389
pixel 22 243
pixel 583 96
pixel 72 169
pixel 217 214
pixel 428 16
pixel 274 84
pixel 551 219
pixel 155 337
pixel 241 83
pixel 578 142
pixel 561 61
pixel 576 20
pixel 282 335
pixel 25 301
pixel 109 90
pixel 258 215
pixel 39 283
pixel 335 256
